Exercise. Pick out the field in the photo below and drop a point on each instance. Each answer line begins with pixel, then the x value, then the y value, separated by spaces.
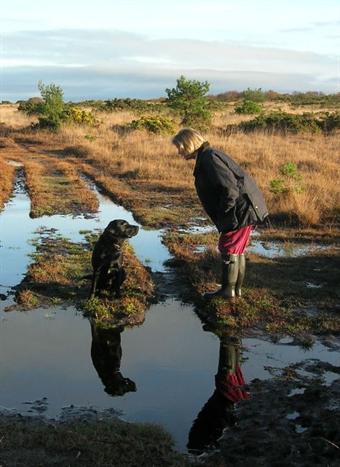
pixel 290 294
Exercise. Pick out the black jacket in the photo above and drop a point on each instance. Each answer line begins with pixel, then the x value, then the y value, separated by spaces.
pixel 229 196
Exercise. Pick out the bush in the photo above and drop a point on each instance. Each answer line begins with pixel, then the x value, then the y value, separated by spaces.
pixel 190 101
pixel 76 115
pixel 292 181
pixel 283 122
pixel 255 95
pixel 32 106
pixel 52 110
pixel 159 124
pixel 137 105
pixel 52 107
pixel 330 122
pixel 248 107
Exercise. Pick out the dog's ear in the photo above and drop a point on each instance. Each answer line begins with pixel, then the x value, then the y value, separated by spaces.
pixel 117 227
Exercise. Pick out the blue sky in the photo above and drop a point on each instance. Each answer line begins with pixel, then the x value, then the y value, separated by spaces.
pixel 105 49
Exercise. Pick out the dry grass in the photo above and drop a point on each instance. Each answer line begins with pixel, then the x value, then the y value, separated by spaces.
pixel 6 182
pixel 144 172
pixel 10 115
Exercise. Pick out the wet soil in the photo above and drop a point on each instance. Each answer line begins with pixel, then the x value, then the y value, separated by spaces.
pixel 294 417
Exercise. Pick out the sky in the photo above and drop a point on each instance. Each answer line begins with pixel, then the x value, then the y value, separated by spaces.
pixel 102 49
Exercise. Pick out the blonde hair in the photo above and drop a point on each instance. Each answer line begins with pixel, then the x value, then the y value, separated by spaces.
pixel 188 140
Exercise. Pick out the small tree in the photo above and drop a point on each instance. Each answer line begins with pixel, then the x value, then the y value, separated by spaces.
pixel 53 105
pixel 190 100
pixel 255 95
pixel 248 107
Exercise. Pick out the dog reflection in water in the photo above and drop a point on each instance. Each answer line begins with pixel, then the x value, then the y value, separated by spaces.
pixel 218 412
pixel 106 353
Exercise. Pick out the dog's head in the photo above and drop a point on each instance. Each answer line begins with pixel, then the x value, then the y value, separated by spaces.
pixel 121 229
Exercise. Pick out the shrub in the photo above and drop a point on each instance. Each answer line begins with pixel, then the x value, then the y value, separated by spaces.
pixel 277 186
pixel 52 107
pixel 248 107
pixel 32 106
pixel 76 115
pixel 330 122
pixel 159 124
pixel 255 95
pixel 283 122
pixel 138 105
pixel 292 181
pixel 189 99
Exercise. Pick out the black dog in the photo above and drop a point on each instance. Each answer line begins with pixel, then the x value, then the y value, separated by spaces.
pixel 107 260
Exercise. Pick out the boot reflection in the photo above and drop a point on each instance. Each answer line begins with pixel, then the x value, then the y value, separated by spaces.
pixel 218 412
pixel 106 353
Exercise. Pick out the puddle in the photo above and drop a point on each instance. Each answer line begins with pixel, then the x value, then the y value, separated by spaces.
pixel 276 250
pixel 293 416
pixel 52 362
pixel 296 391
pixel 311 285
pixel 17 228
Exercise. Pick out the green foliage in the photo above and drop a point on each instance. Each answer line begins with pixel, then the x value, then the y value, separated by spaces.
pixel 189 99
pixel 33 106
pixel 248 107
pixel 314 98
pixel 51 115
pixel 277 186
pixel 292 180
pixel 289 169
pixel 255 95
pixel 330 122
pixel 158 124
pixel 137 105
pixel 282 122
pixel 52 110
pixel 76 115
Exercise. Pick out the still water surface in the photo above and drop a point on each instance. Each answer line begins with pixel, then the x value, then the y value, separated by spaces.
pixel 49 359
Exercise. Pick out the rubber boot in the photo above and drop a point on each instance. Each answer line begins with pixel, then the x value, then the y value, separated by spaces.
pixel 229 277
pixel 241 274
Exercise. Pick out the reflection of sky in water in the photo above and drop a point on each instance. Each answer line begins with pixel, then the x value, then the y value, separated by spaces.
pixel 274 250
pixel 47 353
pixel 17 228
pixel 170 359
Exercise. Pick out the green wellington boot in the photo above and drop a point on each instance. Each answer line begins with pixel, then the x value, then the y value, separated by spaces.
pixel 230 272
pixel 241 274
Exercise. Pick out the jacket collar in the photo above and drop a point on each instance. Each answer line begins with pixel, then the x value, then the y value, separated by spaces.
pixel 200 151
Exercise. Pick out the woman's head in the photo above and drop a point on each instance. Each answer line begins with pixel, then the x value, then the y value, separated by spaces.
pixel 187 141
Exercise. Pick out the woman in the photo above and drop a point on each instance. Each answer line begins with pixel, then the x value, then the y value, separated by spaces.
pixel 231 199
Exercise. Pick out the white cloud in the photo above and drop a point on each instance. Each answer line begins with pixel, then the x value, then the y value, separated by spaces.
pixel 104 63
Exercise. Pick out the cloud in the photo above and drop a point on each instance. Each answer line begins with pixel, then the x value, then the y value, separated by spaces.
pixel 103 83
pixel 104 64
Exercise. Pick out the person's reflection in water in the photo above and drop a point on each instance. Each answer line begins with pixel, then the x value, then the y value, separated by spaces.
pixel 218 412
pixel 106 353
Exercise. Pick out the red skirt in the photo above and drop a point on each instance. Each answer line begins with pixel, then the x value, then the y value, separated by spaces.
pixel 235 241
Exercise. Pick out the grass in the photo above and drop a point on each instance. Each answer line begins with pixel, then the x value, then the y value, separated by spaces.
pixel 276 298
pixel 59 274
pixel 143 171
pixel 33 442
pixel 6 182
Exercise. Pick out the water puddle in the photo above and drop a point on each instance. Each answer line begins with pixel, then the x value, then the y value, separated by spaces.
pixel 279 249
pixel 54 361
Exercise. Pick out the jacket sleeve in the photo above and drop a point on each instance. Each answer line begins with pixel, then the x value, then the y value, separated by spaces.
pixel 225 181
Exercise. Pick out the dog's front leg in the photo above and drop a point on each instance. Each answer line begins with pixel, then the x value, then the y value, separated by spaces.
pixel 95 278
pixel 120 278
